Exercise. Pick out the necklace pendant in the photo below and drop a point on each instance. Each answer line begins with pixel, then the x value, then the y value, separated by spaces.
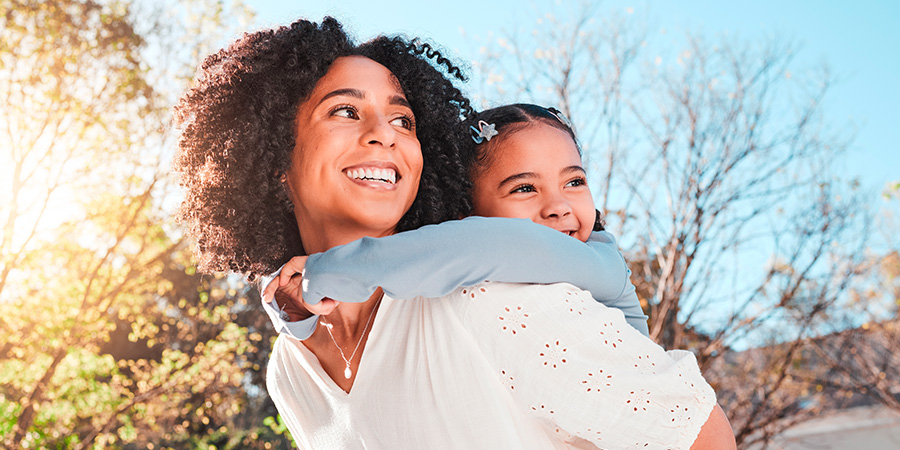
pixel 347 372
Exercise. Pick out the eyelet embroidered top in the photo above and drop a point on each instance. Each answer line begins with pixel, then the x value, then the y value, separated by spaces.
pixel 496 366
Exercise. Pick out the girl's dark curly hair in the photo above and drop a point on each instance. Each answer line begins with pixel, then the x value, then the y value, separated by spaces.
pixel 237 125
pixel 507 119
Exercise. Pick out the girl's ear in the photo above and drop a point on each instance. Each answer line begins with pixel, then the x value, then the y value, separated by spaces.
pixel 599 223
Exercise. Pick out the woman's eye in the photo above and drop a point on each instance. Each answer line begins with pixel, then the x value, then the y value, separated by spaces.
pixel 523 189
pixel 404 122
pixel 577 182
pixel 345 111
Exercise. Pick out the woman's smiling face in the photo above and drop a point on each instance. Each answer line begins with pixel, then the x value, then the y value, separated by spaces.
pixel 357 162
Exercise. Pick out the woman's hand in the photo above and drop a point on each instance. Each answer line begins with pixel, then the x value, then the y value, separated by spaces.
pixel 287 290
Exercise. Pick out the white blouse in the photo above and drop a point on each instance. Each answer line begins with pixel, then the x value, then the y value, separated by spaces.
pixel 496 366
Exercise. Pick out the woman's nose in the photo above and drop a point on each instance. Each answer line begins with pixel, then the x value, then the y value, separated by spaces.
pixel 379 131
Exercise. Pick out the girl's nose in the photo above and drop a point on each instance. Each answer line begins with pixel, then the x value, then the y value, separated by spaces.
pixel 556 206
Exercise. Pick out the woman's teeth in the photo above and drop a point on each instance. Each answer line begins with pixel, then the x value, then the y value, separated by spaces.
pixel 369 174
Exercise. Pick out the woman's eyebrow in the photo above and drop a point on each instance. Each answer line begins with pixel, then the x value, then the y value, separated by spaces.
pixel 399 100
pixel 349 92
pixel 358 94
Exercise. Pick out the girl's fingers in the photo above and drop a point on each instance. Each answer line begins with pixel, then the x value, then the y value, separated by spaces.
pixel 269 291
pixel 290 269
pixel 323 308
pixel 285 276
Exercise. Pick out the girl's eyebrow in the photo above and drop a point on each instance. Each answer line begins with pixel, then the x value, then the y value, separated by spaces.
pixel 573 169
pixel 517 177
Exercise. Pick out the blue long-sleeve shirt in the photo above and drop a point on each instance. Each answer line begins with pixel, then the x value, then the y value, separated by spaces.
pixel 434 260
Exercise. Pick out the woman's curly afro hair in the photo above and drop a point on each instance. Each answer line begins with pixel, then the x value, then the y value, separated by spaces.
pixel 237 132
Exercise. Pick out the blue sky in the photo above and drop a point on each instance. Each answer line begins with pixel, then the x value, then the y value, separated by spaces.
pixel 860 41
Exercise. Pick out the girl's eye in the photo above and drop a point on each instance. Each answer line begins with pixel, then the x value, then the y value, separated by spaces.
pixel 580 181
pixel 405 122
pixel 345 111
pixel 524 188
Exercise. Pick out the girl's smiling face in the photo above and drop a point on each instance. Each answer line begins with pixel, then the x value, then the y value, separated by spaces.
pixel 536 173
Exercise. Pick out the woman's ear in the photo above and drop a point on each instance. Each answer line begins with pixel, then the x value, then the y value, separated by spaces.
pixel 286 184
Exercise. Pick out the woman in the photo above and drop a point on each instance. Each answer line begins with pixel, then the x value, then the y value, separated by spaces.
pixel 294 142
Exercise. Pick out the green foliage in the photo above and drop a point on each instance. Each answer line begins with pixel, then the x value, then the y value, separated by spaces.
pixel 108 336
pixel 277 425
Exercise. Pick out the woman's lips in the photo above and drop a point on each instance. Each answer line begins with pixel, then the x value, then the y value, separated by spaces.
pixel 377 175
pixel 373 174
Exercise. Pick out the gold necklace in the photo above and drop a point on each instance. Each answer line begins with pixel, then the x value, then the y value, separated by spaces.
pixel 347 372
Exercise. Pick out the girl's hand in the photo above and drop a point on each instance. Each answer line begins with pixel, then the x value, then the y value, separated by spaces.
pixel 288 281
pixel 289 291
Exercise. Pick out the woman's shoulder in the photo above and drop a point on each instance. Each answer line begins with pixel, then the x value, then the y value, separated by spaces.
pixel 576 363
pixel 496 289
pixel 288 358
pixel 549 295
pixel 555 305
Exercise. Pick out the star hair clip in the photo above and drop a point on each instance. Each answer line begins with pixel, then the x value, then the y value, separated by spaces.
pixel 484 132
pixel 561 117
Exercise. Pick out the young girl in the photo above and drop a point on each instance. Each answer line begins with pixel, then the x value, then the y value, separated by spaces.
pixel 525 163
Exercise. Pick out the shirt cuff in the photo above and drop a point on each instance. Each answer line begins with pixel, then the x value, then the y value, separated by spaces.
pixel 301 329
